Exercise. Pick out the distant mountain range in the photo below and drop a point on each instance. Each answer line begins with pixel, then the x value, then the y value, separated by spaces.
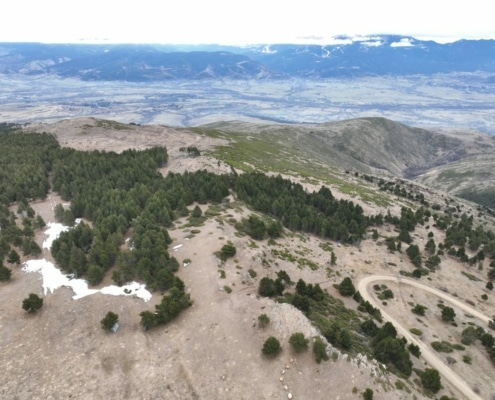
pixel 345 57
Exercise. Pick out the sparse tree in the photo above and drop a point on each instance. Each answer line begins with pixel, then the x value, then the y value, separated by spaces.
pixel 419 309
pixel 271 347
pixel 228 250
pixel 196 212
pixel 148 320
pixel 13 257
pixel 368 394
pixel 346 287
pixel 430 380
pixel 32 303
pixel 414 350
pixel 333 258
pixel 320 350
pixel 298 342
pixel 108 322
pixel 263 320
pixel 5 273
pixel 448 314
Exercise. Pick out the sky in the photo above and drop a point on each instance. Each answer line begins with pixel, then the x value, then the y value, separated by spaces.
pixel 240 23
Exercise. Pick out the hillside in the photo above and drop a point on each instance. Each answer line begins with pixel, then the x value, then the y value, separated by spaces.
pixel 454 162
pixel 213 349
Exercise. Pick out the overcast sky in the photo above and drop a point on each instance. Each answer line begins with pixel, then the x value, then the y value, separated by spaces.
pixel 236 22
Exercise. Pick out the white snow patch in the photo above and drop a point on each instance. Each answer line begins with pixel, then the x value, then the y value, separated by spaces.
pixel 177 247
pixel 376 43
pixel 130 289
pixel 53 279
pixel 404 42
pixel 53 232
pixel 267 50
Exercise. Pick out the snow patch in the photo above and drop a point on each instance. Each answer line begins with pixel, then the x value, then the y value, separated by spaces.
pixel 53 278
pixel 404 42
pixel 53 232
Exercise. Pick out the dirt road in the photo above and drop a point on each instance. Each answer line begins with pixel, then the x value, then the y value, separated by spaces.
pixel 426 352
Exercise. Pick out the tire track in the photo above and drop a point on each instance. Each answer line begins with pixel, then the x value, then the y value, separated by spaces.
pixel 430 356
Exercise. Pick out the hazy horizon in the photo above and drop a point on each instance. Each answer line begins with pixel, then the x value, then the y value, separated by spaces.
pixel 215 22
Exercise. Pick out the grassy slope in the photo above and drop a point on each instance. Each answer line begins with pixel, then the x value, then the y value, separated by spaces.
pixel 461 162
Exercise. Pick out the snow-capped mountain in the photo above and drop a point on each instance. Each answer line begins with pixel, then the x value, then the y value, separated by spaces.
pixel 342 56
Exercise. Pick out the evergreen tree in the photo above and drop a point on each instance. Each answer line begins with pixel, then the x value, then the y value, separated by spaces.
pixel 32 303
pixel 13 257
pixel 320 350
pixel 108 322
pixel 148 320
pixel 346 287
pixel 431 381
pixel 448 314
pixel 271 347
pixel 298 342
pixel 5 273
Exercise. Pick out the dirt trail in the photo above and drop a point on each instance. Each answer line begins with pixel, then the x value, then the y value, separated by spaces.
pixel 426 352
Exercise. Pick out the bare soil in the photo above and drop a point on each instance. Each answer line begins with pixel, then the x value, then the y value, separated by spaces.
pixel 213 350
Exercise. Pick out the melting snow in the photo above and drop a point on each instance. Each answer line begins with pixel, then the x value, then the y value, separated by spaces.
pixel 53 232
pixel 53 278
pixel 404 42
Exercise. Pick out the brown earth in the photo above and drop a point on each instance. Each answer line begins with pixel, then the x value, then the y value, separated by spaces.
pixel 213 350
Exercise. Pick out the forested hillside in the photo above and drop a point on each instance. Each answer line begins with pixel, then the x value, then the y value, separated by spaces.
pixel 125 209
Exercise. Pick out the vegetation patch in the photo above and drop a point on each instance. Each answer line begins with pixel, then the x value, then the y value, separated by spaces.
pixel 443 346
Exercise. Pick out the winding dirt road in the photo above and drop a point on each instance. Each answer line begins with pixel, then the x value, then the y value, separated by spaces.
pixel 429 355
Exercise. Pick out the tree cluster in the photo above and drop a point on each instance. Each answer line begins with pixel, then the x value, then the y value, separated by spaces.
pixel 268 287
pixel 170 307
pixel 387 347
pixel 318 213
pixel 258 228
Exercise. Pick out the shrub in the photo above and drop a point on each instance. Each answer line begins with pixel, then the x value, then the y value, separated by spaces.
pixel 32 303
pixel 430 379
pixel 5 273
pixel 368 394
pixel 320 350
pixel 108 322
pixel 271 347
pixel 414 350
pixel 467 359
pixel 448 314
pixel 416 331
pixel 346 287
pixel 263 320
pixel 444 347
pixel 298 342
pixel 228 250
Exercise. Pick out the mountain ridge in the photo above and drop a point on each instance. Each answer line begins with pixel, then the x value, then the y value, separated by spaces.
pixel 346 57
pixel 455 162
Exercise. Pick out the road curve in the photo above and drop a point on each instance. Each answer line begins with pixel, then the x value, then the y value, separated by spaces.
pixel 429 355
